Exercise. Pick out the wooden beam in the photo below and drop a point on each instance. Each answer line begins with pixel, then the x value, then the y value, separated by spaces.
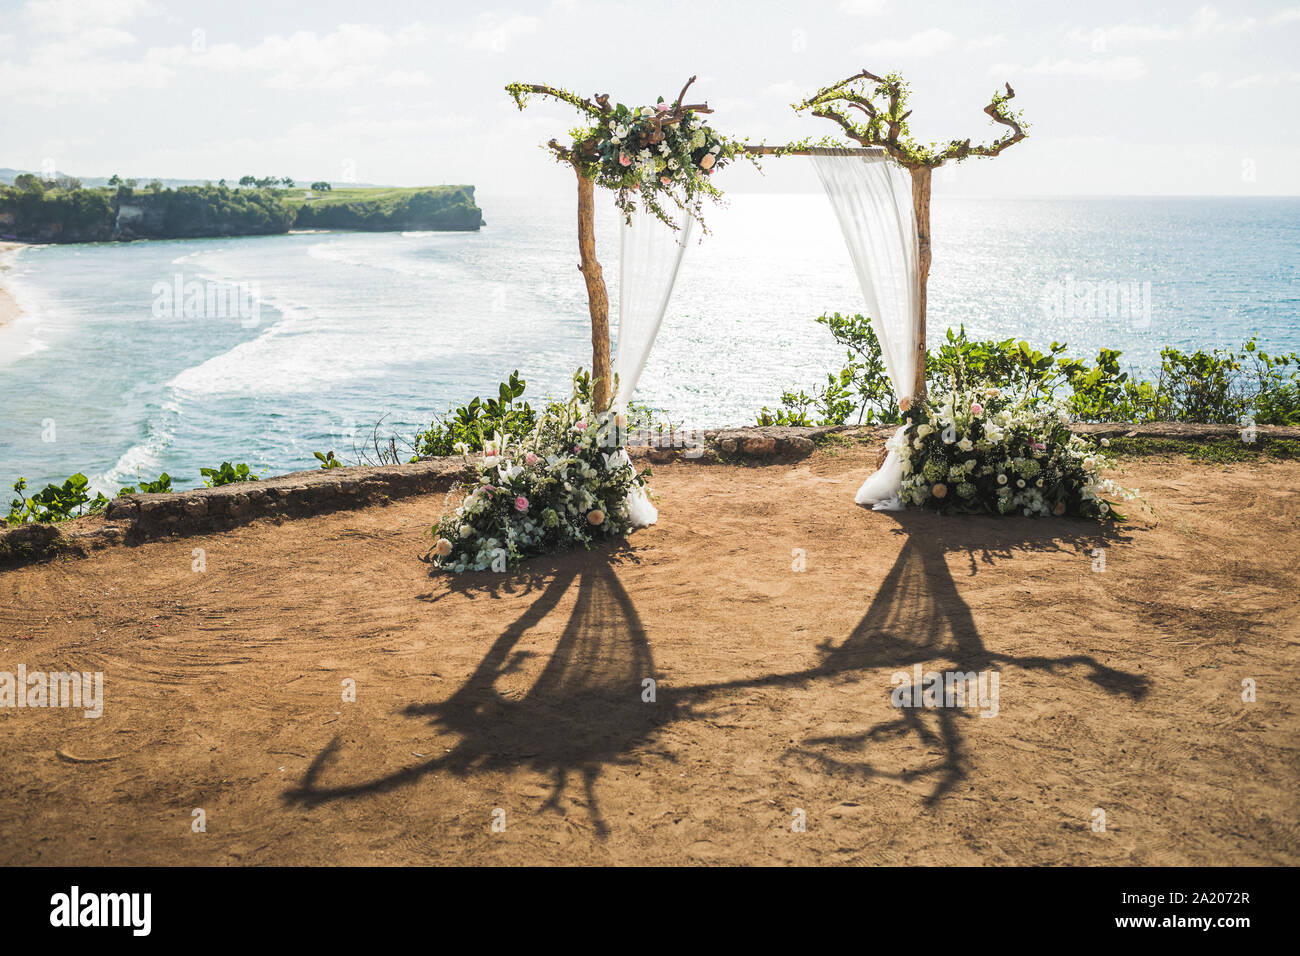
pixel 812 151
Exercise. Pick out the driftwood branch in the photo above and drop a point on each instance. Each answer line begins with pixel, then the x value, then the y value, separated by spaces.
pixel 884 107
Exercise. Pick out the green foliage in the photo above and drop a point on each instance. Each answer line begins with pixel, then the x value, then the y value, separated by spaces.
pixel 55 502
pixel 327 460
pixel 162 486
pixel 226 474
pixel 432 207
pixel 68 213
pixel 471 426
pixel 1219 386
pixel 859 391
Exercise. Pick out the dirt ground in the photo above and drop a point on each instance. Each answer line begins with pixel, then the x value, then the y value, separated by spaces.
pixel 519 699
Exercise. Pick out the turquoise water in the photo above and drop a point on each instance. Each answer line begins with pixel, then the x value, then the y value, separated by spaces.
pixel 341 329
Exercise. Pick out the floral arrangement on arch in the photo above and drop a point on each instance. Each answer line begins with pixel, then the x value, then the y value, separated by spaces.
pixel 975 450
pixel 661 157
pixel 567 484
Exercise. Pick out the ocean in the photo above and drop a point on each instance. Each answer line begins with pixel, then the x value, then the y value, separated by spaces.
pixel 328 334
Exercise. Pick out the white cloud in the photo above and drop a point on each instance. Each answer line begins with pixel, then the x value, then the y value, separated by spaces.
pixel 787 92
pixel 1209 80
pixel 1255 79
pixel 1124 34
pixel 494 34
pixel 926 43
pixel 72 16
pixel 862 8
pixel 1208 20
pixel 1115 68
pixel 984 42
pixel 306 59
pixel 406 78
pixel 1289 15
pixel 46 81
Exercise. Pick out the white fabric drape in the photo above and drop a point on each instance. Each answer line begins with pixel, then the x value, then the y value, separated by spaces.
pixel 649 258
pixel 872 198
pixel 650 254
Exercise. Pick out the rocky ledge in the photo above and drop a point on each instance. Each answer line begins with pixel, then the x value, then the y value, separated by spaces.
pixel 137 518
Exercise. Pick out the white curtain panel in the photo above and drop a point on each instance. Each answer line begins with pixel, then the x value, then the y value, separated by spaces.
pixel 872 198
pixel 649 258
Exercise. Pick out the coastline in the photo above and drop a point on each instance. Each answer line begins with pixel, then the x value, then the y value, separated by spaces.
pixel 9 308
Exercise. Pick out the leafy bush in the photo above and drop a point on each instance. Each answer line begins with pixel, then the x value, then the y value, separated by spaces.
pixel 55 503
pixel 1219 386
pixel 471 426
pixel 161 486
pixel 226 474
pixel 566 484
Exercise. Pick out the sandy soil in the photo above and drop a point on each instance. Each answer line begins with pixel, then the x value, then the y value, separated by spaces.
pixel 1120 690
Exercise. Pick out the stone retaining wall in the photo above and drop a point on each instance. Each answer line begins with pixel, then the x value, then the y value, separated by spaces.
pixel 137 518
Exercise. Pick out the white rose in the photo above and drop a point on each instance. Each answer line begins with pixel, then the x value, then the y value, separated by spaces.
pixel 1002 479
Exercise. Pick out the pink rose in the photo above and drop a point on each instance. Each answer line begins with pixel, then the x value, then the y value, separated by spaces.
pixel 665 180
pixel 977 409
pixel 623 160
pixel 580 426
pixel 662 107
pixel 530 458
pixel 521 503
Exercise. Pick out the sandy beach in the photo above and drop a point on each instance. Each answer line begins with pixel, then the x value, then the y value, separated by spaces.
pixel 523 695
pixel 9 309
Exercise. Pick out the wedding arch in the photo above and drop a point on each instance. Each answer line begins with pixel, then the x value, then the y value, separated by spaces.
pixel 879 189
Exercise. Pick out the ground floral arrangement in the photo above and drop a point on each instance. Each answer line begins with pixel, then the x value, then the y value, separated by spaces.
pixel 977 451
pixel 565 485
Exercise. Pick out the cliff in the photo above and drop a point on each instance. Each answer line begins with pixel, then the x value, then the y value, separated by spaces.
pixel 189 212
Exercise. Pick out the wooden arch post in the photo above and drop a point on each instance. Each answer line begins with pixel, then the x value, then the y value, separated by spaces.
pixel 583 156
pixel 884 107
pixel 597 293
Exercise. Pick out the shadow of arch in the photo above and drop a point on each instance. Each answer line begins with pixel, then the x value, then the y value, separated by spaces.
pixel 917 616
pixel 585 710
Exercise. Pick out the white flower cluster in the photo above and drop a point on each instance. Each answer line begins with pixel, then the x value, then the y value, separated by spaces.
pixel 976 450
pixel 565 485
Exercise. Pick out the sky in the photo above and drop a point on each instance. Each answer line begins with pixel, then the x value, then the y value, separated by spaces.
pixel 1123 98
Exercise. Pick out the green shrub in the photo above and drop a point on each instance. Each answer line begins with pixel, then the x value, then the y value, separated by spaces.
pixel 470 426
pixel 1219 386
pixel 226 474
pixel 55 503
